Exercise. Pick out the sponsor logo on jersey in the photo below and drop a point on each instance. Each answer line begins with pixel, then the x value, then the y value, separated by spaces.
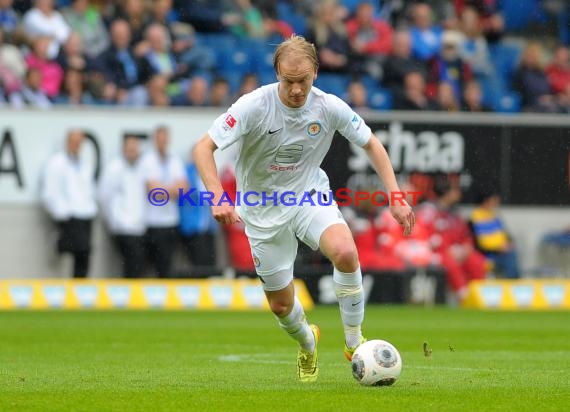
pixel 313 129
pixel 356 121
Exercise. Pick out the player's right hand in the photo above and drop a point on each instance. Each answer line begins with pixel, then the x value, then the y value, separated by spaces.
pixel 225 214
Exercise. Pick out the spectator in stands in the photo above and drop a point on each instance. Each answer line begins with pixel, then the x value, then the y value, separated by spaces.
pixel 220 92
pixel 370 37
pixel 73 91
pixel 452 239
pixel 44 21
pixel 12 66
pixel 137 15
pixel 31 93
pixel 183 39
pixel 357 95
pixel 448 66
pixel 195 95
pixel 165 171
pixel 473 98
pixel 71 56
pixel 401 62
pixel 9 19
pixel 207 15
pixel 251 21
pixel 491 236
pixel 159 58
pixel 123 197
pixel 531 82
pixel 52 73
pixel 446 98
pixel 249 83
pixel 68 194
pixel 474 50
pixel 413 96
pixel 328 33
pixel 426 37
pixel 558 73
pixel 197 226
pixel 490 18
pixel 121 68
pixel 157 91
pixel 85 20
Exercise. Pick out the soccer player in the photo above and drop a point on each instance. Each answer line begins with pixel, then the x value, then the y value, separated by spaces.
pixel 283 131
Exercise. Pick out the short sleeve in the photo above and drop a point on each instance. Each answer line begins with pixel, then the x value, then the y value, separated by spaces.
pixel 236 122
pixel 348 122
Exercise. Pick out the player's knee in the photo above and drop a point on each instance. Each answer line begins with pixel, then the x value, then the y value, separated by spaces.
pixel 345 258
pixel 280 308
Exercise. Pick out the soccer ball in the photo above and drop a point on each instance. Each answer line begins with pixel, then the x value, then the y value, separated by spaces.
pixel 376 363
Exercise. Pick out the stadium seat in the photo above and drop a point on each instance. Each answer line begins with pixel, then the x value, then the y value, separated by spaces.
pixel 519 14
pixel 506 59
pixel 286 13
pixel 509 102
pixel 380 99
pixel 332 83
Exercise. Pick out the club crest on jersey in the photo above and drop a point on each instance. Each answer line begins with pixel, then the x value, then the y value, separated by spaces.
pixel 256 261
pixel 313 129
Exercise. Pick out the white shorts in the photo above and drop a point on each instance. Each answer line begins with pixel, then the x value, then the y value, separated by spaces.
pixel 274 253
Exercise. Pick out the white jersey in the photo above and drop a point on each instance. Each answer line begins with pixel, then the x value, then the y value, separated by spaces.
pixel 281 148
pixel 122 193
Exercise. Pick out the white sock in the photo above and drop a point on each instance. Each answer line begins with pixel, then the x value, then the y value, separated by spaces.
pixel 295 324
pixel 350 295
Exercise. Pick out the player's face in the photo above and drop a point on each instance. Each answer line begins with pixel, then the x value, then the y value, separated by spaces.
pixel 296 76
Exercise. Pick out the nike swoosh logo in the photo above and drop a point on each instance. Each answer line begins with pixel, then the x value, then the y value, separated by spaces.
pixel 357 303
pixel 274 131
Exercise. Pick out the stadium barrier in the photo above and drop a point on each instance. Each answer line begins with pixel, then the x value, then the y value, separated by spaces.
pixel 524 294
pixel 193 294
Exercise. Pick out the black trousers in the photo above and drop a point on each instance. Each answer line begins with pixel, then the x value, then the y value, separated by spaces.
pixel 160 247
pixel 200 249
pixel 132 253
pixel 75 238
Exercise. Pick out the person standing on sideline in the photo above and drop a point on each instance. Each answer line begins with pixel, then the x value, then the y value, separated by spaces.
pixel 163 172
pixel 122 195
pixel 68 195
pixel 283 131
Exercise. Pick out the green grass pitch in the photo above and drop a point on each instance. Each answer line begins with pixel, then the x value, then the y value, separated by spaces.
pixel 241 361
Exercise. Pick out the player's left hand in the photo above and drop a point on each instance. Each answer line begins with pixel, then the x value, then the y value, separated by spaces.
pixel 404 215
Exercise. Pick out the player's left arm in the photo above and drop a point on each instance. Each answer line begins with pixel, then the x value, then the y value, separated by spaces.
pixel 399 208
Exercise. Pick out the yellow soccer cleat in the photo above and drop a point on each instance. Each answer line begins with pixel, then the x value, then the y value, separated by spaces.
pixel 307 362
pixel 348 352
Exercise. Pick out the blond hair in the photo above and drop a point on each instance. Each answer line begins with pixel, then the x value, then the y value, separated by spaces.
pixel 296 45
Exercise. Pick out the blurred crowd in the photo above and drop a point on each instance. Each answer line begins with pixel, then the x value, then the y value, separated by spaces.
pixel 388 54
pixel 149 238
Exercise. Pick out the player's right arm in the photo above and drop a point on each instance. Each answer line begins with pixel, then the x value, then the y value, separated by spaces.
pixel 203 155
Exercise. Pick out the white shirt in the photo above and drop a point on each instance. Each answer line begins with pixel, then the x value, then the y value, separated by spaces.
pixel 122 193
pixel 166 172
pixel 38 24
pixel 69 189
pixel 281 148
